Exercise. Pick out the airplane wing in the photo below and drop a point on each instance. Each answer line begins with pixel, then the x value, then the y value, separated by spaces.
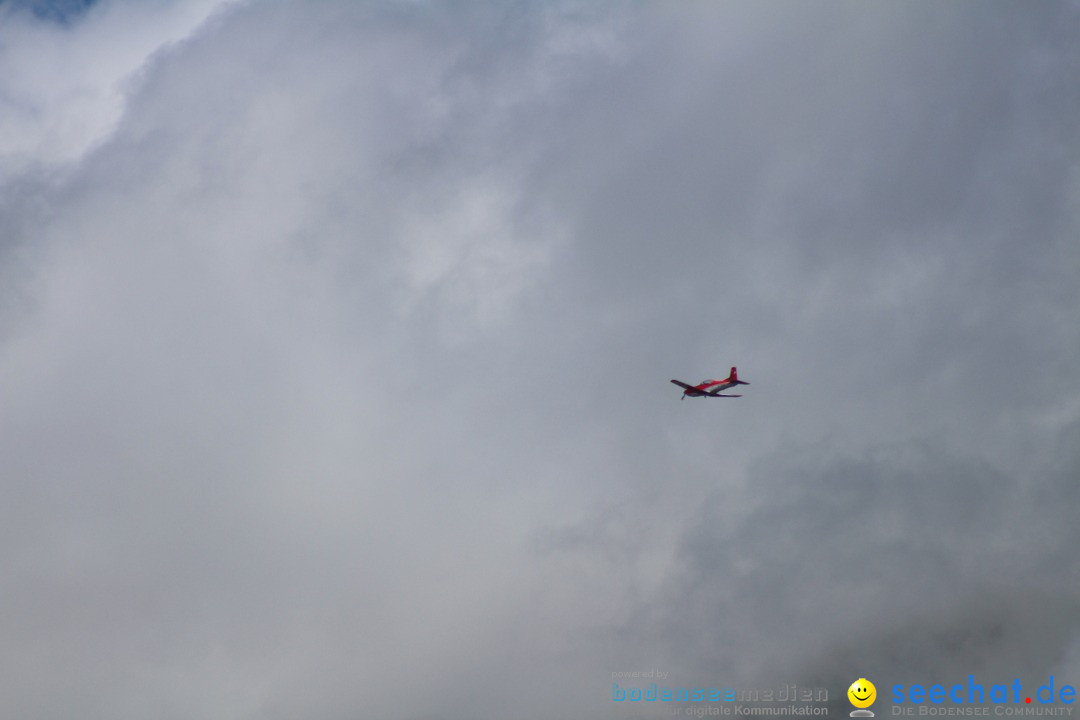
pixel 684 385
pixel 719 395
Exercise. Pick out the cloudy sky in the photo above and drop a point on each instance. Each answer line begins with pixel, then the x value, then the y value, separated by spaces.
pixel 335 341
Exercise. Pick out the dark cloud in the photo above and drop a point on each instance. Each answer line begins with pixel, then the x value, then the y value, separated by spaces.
pixel 336 341
pixel 59 11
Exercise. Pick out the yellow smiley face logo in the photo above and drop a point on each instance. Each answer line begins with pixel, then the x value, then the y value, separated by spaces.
pixel 862 693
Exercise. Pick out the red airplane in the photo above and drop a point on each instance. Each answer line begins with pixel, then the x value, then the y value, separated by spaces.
pixel 711 388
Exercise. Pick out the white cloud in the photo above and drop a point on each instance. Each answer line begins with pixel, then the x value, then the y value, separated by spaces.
pixel 64 88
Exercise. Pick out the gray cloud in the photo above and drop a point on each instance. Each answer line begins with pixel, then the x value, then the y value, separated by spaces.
pixel 336 339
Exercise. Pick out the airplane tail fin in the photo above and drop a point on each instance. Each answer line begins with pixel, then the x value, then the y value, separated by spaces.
pixel 734 378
